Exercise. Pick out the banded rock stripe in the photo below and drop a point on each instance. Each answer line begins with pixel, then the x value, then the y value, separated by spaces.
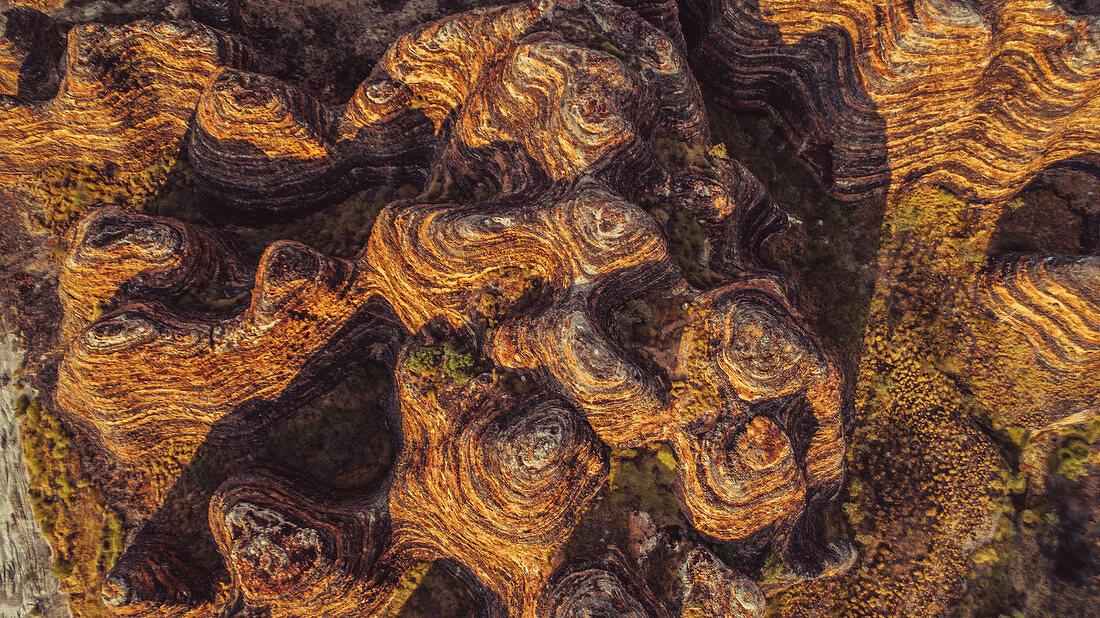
pixel 536 233
pixel 884 94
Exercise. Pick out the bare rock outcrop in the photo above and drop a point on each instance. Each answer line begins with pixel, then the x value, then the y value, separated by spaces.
pixel 1054 301
pixel 225 370
pixel 564 141
pixel 131 89
pixel 888 94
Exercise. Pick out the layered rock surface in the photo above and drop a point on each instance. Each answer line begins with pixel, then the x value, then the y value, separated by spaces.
pixel 547 128
pixel 131 90
pixel 579 272
pixel 977 98
pixel 303 313
pixel 1053 301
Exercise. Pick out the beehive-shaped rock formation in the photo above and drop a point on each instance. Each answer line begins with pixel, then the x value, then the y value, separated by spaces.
pixel 975 97
pixel 563 137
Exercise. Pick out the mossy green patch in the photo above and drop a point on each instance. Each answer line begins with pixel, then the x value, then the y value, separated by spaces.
pixel 439 595
pixel 640 484
pixel 407 585
pixel 424 358
pixel 448 360
pixel 86 535
pixel 640 480
pixel 67 191
pixel 677 154
pixel 460 366
pixel 643 480
pixel 1070 459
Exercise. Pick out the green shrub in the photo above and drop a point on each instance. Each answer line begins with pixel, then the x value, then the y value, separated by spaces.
pixel 113 537
pixel 21 405
pixel 34 412
pixel 772 568
pixel 460 366
pixel 1069 459
pixel 63 569
pixel 424 359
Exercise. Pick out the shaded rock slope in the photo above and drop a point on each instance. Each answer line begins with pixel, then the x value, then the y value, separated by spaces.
pixel 542 248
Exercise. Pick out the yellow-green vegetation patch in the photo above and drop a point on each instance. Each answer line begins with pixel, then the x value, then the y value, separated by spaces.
pixel 921 471
pixel 85 533
pixel 424 358
pixel 640 480
pixel 508 290
pixel 643 480
pixel 460 366
pixel 456 363
pixel 677 154
pixel 1077 449
pixel 641 483
pixel 437 593
pixel 994 596
pixel 406 586
pixel 66 191
pixel 687 236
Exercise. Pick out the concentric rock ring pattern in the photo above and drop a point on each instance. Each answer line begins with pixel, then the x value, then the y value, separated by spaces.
pixel 974 97
pixel 554 145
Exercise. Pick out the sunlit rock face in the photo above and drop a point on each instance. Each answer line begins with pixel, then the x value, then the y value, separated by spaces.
pixel 713 589
pixel 600 587
pixel 1054 301
pixel 890 94
pixel 301 551
pixel 562 148
pixel 265 149
pixel 125 95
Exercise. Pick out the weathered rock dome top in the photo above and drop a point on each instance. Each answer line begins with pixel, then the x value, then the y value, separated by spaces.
pixel 549 259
